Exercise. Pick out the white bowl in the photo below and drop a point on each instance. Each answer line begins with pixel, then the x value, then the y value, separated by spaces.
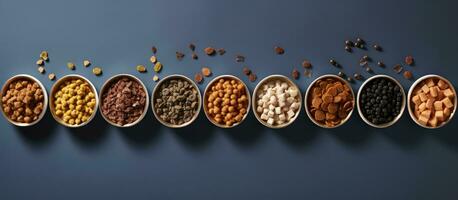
pixel 409 96
pixel 105 87
pixel 255 96
pixel 153 98
pixel 55 88
pixel 402 106
pixel 45 98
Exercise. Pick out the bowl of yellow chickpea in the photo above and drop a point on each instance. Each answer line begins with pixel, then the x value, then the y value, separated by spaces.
pixel 73 101
pixel 226 101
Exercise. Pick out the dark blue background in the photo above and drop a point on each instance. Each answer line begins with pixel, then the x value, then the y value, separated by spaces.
pixel 149 161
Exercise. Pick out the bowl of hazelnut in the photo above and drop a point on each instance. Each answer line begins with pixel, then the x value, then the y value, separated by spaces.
pixel 24 100
pixel 226 101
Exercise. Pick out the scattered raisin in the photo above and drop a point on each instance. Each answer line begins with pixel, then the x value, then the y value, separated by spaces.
pixel 408 75
pixel 246 71
pixel 349 43
pixel 239 58
pixel 194 56
pixel 306 64
pixel 409 60
pixel 377 47
pixel 252 77
pixel 198 78
pixel 348 48
pixel 295 74
pixel 154 49
pixel 192 47
pixel 279 50
pixel 398 68
pixel 206 71
pixel 221 51
pixel 179 55
pixel 209 51
pixel 380 64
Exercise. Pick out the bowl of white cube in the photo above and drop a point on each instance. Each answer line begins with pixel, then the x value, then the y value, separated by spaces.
pixel 276 101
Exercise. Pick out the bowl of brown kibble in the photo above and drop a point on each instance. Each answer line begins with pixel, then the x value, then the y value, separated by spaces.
pixel 329 101
pixel 226 101
pixel 73 101
pixel 124 100
pixel 432 101
pixel 24 100
pixel 176 101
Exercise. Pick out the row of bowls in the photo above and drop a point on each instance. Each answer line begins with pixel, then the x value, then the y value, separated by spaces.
pixel 176 76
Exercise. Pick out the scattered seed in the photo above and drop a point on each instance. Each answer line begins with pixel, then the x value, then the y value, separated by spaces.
pixel 362 63
pixel 306 64
pixel 192 47
pixel 141 68
pixel 52 76
pixel 398 68
pixel 198 78
pixel 40 62
pixel 71 66
pixel 209 51
pixel 155 78
pixel 295 74
pixel 408 75
pixel 349 43
pixel 380 64
pixel 194 56
pixel 349 79
pixel 86 63
pixel 369 69
pixel 409 60
pixel 41 70
pixel 239 58
pixel 279 50
pixel 252 77
pixel 97 71
pixel 377 47
pixel 366 58
pixel 153 59
pixel 221 51
pixel 154 49
pixel 358 76
pixel 206 71
pixel 308 73
pixel 341 74
pixel 157 67
pixel 246 71
pixel 179 55
pixel 333 62
pixel 348 48
pixel 360 40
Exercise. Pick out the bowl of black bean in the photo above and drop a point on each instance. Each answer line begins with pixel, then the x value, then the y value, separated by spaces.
pixel 176 101
pixel 381 101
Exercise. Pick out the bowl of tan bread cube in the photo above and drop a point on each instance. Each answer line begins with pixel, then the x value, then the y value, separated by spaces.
pixel 432 101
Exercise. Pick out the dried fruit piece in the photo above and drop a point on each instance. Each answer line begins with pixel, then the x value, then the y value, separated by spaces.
pixel 141 68
pixel 157 67
pixel 210 51
pixel 192 47
pixel 153 59
pixel 198 78
pixel 279 50
pixel 86 63
pixel 97 71
pixel 306 64
pixel 246 71
pixel 408 75
pixel 252 77
pixel 52 76
pixel 239 58
pixel 221 51
pixel 155 78
pixel 206 71
pixel 154 49
pixel 409 60
pixel 179 55
pixel 41 70
pixel 398 68
pixel 295 74
pixel 194 56
pixel 40 62
pixel 71 66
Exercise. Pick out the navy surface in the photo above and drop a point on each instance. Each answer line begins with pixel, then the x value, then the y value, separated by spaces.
pixel 150 161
